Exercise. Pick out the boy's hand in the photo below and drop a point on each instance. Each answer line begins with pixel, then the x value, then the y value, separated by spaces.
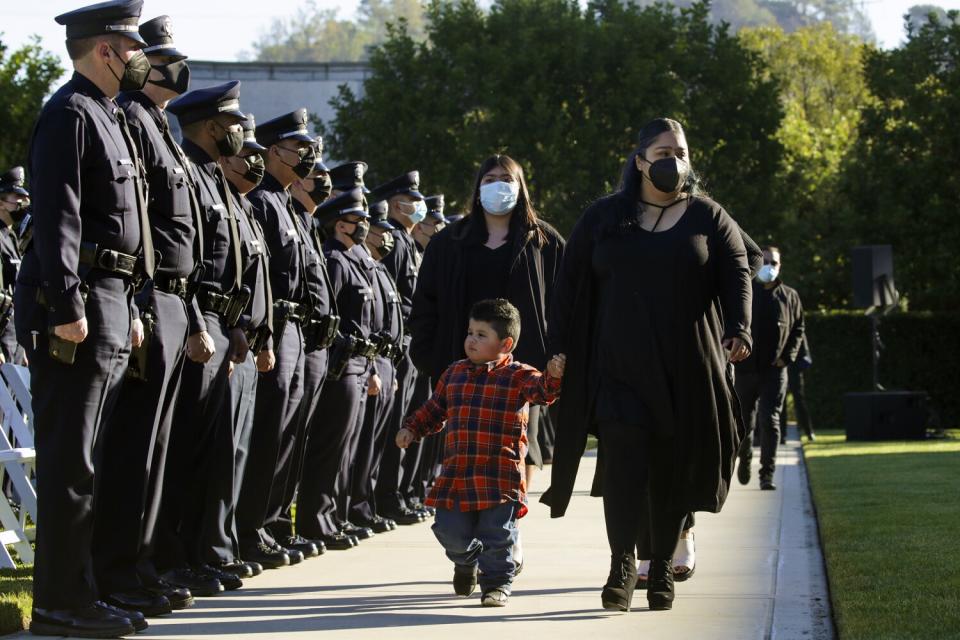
pixel 556 365
pixel 405 437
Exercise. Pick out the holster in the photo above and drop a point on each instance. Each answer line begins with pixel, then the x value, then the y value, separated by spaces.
pixel 319 332
pixel 340 353
pixel 257 338
pixel 137 366
pixel 238 303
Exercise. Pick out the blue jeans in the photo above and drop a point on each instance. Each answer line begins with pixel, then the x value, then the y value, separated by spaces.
pixel 483 538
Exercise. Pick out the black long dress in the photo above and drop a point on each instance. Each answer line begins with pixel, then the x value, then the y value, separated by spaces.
pixel 641 317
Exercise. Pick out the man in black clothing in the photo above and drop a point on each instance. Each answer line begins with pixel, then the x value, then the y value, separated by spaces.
pixel 210 119
pixel 14 200
pixel 395 494
pixel 74 303
pixel 761 380
pixel 290 156
pixel 135 444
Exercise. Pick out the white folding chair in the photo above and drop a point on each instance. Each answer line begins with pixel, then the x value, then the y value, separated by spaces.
pixel 17 457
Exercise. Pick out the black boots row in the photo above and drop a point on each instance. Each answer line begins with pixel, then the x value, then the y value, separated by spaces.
pixel 618 591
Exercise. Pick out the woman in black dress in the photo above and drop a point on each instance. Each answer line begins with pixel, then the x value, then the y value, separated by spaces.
pixel 501 249
pixel 651 306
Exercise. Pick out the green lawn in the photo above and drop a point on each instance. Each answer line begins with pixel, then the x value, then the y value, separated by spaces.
pixel 889 515
pixel 16 598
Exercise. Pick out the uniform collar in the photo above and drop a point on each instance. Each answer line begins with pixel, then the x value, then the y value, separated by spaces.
pixel 270 183
pixel 197 154
pixel 86 86
pixel 148 105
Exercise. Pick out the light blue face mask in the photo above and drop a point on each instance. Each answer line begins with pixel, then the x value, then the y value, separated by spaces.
pixel 499 198
pixel 768 273
pixel 419 211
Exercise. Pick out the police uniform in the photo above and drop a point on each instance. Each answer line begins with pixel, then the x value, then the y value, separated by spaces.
pixel 233 448
pixel 89 228
pixel 318 332
pixel 11 182
pixel 324 483
pixel 399 467
pixel 135 444
pixel 280 391
pixel 388 331
pixel 202 406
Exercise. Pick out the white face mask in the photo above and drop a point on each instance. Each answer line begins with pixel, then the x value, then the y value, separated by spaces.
pixel 768 273
pixel 499 198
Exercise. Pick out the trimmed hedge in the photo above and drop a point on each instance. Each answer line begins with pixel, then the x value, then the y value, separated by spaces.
pixel 922 351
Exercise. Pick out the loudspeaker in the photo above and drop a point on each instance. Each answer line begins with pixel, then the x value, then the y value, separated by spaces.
pixel 886 415
pixel 873 276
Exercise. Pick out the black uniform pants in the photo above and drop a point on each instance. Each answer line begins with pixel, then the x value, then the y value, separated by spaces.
pixel 372 441
pixel 412 476
pixel 796 387
pixel 230 458
pixel 761 395
pixel 202 409
pixel 638 490
pixel 279 393
pixel 280 513
pixel 389 498
pixel 134 452
pixel 71 403
pixel 341 403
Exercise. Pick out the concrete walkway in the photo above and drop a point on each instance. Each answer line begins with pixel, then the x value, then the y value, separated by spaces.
pixel 759 575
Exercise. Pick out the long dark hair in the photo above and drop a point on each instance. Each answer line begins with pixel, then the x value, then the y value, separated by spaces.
pixel 524 215
pixel 631 179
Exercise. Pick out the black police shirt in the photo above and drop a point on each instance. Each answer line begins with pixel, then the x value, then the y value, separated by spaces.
pixel 272 209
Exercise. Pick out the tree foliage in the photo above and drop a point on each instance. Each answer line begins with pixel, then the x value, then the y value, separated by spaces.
pixel 26 77
pixel 901 183
pixel 318 35
pixel 564 90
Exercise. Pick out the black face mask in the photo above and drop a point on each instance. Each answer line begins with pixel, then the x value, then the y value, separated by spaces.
pixel 255 169
pixel 231 143
pixel 175 76
pixel 322 186
pixel 19 212
pixel 135 71
pixel 360 231
pixel 669 174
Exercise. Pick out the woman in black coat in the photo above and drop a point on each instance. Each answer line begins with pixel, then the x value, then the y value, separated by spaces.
pixel 652 304
pixel 500 250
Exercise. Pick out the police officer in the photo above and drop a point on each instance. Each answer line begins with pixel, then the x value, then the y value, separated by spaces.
pixel 251 350
pixel 135 444
pixel 74 303
pixel 210 119
pixel 14 200
pixel 399 468
pixel 319 330
pixel 388 334
pixel 431 224
pixel 290 156
pixel 347 176
pixel 321 506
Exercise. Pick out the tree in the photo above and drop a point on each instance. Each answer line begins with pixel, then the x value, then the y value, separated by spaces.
pixel 919 15
pixel 564 90
pixel 901 183
pixel 317 35
pixel 26 78
pixel 822 89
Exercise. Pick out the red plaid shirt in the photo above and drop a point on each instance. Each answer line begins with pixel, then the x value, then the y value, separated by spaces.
pixel 485 409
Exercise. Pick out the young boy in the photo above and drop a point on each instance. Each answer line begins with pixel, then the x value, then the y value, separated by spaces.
pixel 481 491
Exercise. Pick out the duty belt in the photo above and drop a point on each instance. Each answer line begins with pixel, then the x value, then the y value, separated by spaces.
pixel 169 284
pixel 386 348
pixel 228 306
pixel 108 260
pixel 296 312
pixel 364 348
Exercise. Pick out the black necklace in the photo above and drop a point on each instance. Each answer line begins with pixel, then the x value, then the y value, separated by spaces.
pixel 663 209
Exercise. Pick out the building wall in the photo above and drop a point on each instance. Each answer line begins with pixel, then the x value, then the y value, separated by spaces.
pixel 270 89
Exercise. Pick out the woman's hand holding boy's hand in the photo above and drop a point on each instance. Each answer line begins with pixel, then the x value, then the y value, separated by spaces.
pixel 405 437
pixel 556 365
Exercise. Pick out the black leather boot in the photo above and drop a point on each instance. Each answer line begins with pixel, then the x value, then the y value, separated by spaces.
pixel 618 592
pixel 660 585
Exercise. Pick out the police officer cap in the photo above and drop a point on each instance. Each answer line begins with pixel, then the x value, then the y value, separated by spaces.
pixel 457 217
pixel 318 166
pixel 349 175
pixel 435 207
pixel 158 34
pixel 12 182
pixel 289 126
pixel 408 184
pixel 250 134
pixel 347 203
pixel 203 104
pixel 378 215
pixel 116 17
